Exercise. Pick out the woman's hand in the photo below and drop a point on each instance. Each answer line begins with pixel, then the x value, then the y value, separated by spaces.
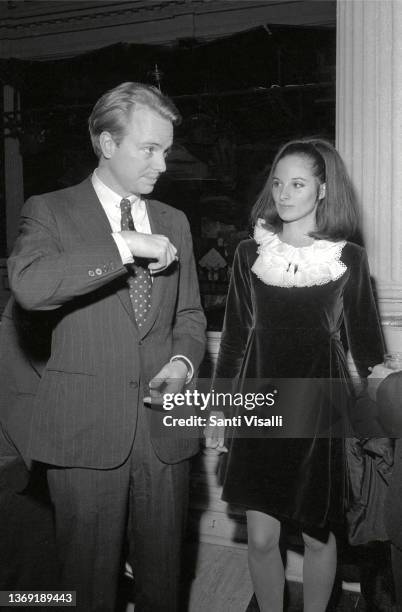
pixel 378 373
pixel 215 433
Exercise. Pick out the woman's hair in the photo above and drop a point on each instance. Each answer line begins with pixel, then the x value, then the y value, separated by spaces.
pixel 337 214
pixel 113 110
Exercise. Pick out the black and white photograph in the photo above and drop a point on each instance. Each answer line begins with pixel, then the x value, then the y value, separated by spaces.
pixel 201 305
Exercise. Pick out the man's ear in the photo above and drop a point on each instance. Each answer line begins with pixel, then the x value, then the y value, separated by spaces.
pixel 107 144
pixel 322 191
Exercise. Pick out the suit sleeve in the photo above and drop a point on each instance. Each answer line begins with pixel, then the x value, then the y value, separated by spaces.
pixel 238 318
pixel 189 324
pixel 45 274
pixel 362 324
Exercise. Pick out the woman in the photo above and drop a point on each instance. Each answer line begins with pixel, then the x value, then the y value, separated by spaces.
pixel 292 288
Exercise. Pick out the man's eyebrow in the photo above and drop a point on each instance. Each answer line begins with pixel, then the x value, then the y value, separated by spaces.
pixel 154 143
pixel 294 178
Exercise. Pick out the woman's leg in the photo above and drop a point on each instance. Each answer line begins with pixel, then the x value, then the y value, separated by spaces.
pixel 265 562
pixel 319 569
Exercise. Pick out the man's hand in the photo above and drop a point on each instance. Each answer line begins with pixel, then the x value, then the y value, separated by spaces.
pixel 156 247
pixel 215 434
pixel 378 373
pixel 170 379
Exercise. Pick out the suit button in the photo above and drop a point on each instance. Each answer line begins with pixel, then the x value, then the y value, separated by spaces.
pixel 98 271
pixel 91 273
pixel 133 384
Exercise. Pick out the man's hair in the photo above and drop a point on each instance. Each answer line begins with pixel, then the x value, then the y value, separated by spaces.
pixel 113 110
pixel 337 215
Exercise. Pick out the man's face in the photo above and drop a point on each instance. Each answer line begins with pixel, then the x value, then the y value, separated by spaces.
pixel 134 165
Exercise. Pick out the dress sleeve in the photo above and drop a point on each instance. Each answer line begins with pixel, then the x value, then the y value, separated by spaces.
pixel 238 318
pixel 362 323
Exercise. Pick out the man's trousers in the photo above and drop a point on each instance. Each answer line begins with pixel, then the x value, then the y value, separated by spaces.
pixel 94 509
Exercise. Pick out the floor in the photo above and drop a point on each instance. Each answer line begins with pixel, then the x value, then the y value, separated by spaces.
pixel 220 581
pixel 216 579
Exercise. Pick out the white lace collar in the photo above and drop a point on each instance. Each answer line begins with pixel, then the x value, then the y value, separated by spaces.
pixel 284 265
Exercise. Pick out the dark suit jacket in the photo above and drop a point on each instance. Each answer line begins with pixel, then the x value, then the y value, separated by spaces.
pixel 389 400
pixel 24 350
pixel 66 260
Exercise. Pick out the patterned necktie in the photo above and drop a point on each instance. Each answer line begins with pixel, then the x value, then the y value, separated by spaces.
pixel 139 281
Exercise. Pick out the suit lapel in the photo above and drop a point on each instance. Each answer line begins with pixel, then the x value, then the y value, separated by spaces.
pixel 93 225
pixel 91 219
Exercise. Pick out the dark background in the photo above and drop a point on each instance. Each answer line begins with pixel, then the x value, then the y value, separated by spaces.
pixel 241 97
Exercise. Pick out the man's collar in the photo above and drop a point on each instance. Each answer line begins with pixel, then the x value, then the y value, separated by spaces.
pixel 102 189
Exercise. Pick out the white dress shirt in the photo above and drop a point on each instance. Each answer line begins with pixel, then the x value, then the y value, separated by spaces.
pixel 110 201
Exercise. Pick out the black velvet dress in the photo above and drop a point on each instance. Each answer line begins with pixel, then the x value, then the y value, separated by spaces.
pixel 278 332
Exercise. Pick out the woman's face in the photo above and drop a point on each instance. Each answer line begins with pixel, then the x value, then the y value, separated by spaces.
pixel 295 189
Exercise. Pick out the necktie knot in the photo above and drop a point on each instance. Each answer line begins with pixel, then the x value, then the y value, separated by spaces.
pixel 125 206
pixel 127 222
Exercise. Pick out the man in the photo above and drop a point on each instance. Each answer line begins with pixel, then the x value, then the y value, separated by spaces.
pixel 119 271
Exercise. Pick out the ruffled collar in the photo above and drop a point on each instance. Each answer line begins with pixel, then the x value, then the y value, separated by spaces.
pixel 284 265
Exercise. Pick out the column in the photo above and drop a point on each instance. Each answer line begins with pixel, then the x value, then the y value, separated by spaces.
pixel 369 137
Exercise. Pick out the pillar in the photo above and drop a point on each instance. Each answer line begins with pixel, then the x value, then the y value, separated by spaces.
pixel 369 137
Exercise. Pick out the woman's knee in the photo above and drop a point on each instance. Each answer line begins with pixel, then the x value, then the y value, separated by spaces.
pixel 263 533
